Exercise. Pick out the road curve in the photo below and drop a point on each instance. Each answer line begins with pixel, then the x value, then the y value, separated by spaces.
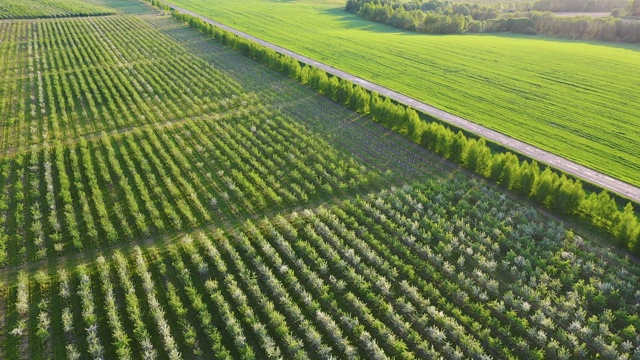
pixel 542 156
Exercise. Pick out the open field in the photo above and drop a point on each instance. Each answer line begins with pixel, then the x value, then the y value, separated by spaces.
pixel 591 14
pixel 571 98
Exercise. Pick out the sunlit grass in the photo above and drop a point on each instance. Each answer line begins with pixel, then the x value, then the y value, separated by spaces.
pixel 577 99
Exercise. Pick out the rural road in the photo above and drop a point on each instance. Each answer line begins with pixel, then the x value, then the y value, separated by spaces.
pixel 613 185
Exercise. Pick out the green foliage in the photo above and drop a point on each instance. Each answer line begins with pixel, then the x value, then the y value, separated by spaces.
pixel 151 181
pixel 458 74
pixel 478 157
pixel 568 197
pixel 628 228
pixel 459 148
pixel 385 269
pixel 562 194
pixel 529 173
pixel 546 187
pixel 105 189
pixel 436 17
pixel 29 9
pixel 68 101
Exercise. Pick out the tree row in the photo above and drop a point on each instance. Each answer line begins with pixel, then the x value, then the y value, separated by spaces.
pixel 76 77
pixel 436 17
pixel 548 187
pixel 145 182
pixel 447 269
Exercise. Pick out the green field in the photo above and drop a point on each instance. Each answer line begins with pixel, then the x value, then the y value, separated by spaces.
pixel 576 99
pixel 126 6
pixel 448 270
pixel 18 9
pixel 98 137
pixel 164 197
pixel 115 76
pixel 101 157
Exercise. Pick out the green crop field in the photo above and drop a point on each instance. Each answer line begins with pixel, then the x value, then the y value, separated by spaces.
pixel 576 99
pixel 447 270
pixel 164 197
pixel 100 159
pixel 126 6
pixel 115 76
pixel 10 9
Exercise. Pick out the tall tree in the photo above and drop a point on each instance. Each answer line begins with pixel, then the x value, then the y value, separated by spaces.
pixel 414 124
pixel 459 148
pixel 627 229
pixel 479 157
pixel 511 172
pixel 568 195
pixel 545 187
pixel 332 88
pixel 529 174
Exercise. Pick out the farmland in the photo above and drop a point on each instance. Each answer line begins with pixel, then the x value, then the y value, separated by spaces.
pixel 114 76
pixel 164 197
pixel 572 98
pixel 444 269
pixel 10 9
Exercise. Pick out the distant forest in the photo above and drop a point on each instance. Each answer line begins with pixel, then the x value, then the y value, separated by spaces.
pixel 444 17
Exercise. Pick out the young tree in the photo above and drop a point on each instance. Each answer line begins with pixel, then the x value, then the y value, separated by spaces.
pixel 529 174
pixel 546 186
pixel 414 124
pixel 568 196
pixel 479 157
pixel 459 148
pixel 627 229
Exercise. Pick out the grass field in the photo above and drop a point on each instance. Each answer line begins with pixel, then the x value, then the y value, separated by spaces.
pixel 576 99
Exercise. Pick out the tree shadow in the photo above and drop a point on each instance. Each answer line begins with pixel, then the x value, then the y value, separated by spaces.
pixel 352 21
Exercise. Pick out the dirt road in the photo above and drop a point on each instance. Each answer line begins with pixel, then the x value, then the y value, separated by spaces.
pixel 619 187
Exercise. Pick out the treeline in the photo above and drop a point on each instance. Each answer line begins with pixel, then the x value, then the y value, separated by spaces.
pixel 633 8
pixel 436 17
pixel 159 4
pixel 552 189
